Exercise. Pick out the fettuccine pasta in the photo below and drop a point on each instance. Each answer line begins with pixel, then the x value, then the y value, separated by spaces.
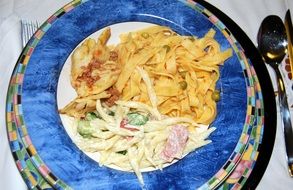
pixel 146 101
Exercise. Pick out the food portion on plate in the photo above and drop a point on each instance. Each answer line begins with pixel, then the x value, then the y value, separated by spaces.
pixel 145 102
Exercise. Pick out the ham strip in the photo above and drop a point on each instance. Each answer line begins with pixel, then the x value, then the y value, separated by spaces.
pixel 124 124
pixel 175 143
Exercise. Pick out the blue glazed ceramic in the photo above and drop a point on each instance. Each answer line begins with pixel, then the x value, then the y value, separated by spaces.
pixel 40 110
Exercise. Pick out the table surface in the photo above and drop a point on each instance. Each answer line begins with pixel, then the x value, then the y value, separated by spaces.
pixel 247 14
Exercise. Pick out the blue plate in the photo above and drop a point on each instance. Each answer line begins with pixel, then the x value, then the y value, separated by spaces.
pixel 52 150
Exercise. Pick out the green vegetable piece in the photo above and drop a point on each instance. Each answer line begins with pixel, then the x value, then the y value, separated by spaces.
pixel 84 129
pixel 167 48
pixel 136 119
pixel 183 85
pixel 90 116
pixel 182 74
pixel 122 152
pixel 191 38
pixel 111 113
pixel 145 35
pixel 216 95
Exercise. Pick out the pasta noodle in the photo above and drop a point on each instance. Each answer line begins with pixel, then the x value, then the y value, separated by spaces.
pixel 147 101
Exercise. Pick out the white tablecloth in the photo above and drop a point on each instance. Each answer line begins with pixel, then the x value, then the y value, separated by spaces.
pixel 248 14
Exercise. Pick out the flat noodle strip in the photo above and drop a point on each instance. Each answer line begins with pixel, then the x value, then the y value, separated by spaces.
pixel 138 59
pixel 151 91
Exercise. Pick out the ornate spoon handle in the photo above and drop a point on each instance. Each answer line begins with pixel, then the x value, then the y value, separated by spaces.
pixel 286 117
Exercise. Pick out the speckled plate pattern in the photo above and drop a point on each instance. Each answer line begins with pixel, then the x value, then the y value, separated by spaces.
pixel 32 112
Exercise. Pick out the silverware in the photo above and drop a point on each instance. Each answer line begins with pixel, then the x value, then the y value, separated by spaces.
pixel 272 44
pixel 28 28
pixel 289 31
